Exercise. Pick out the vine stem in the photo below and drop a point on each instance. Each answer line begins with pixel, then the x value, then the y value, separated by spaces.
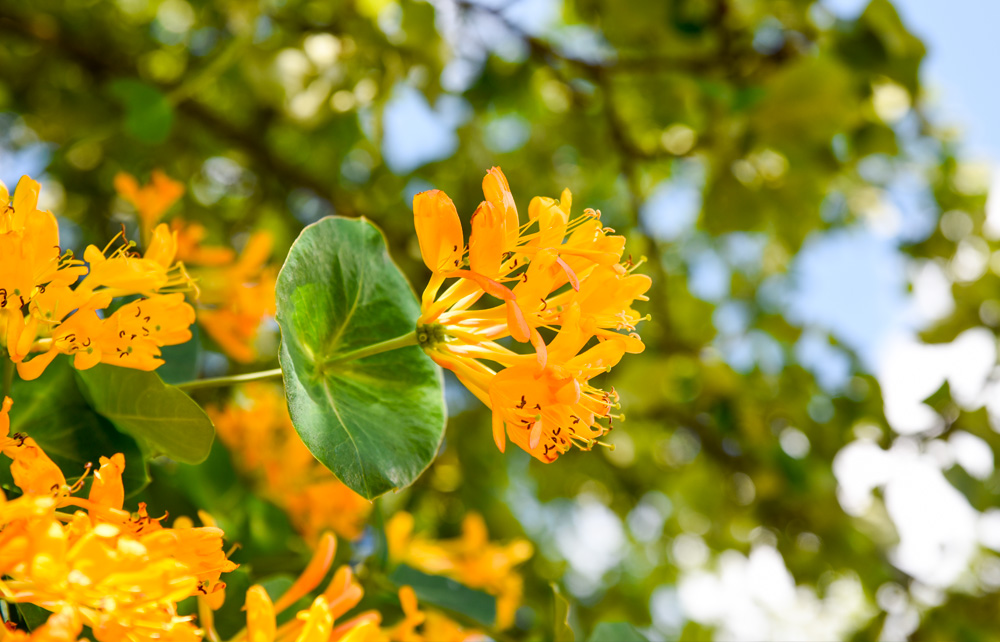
pixel 409 339
pixel 231 379
pixel 8 376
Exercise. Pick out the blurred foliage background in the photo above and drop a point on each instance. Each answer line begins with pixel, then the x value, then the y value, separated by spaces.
pixel 762 486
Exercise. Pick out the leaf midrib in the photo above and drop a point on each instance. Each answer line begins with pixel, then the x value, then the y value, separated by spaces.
pixel 354 443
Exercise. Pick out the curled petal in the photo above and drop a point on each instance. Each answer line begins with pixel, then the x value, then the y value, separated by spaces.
pixel 439 230
pixel 499 431
pixel 516 323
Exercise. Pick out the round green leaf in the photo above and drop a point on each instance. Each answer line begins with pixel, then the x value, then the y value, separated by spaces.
pixel 376 422
pixel 163 419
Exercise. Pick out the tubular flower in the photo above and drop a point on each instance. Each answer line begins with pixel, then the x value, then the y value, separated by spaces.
pixel 41 310
pixel 237 298
pixel 256 428
pixel 424 626
pixel 554 274
pixel 471 559
pixel 117 573
pixel 152 200
pixel 318 622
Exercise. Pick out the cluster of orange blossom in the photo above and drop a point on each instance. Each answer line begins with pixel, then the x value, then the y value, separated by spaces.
pixel 52 303
pixel 319 622
pixel 92 563
pixel 256 428
pixel 554 273
pixel 95 564
pixel 470 559
pixel 237 292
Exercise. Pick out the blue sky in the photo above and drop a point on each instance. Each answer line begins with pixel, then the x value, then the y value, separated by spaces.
pixel 963 49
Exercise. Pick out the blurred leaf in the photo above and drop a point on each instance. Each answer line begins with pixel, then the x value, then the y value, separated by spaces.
pixel 182 362
pixel 162 418
pixel 375 422
pixel 52 411
pixel 448 594
pixel 32 616
pixel 562 631
pixel 262 528
pixel 616 632
pixel 278 585
pixel 940 400
pixel 148 114
pixel 232 617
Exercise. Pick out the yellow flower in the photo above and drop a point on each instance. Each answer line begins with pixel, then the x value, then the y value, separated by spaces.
pixel 424 626
pixel 131 337
pixel 471 560
pixel 556 274
pixel 237 293
pixel 45 306
pixel 119 574
pixel 237 298
pixel 318 623
pixel 125 271
pixel 152 200
pixel 256 428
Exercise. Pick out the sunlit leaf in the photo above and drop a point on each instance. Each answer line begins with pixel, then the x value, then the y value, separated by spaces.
pixel 52 411
pixel 375 422
pixel 163 419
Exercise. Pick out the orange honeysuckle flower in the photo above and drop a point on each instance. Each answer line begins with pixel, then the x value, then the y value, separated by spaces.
pixel 152 200
pixel 318 623
pixel 125 271
pixel 237 293
pixel 29 245
pixel 255 426
pixel 131 337
pixel 424 625
pixel 46 307
pixel 191 250
pixel 471 559
pixel 121 575
pixel 555 274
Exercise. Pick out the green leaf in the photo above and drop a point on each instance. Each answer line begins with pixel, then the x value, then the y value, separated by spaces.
pixel 148 113
pixel 33 616
pixel 616 632
pixel 52 411
pixel 447 594
pixel 163 419
pixel 562 631
pixel 182 362
pixel 376 422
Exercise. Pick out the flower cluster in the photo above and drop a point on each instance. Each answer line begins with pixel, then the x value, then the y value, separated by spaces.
pixel 319 622
pixel 53 303
pixel 255 426
pixel 119 573
pixel 236 292
pixel 470 559
pixel 561 286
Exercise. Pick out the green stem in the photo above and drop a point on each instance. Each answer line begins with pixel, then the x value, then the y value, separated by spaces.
pixel 8 376
pixel 409 339
pixel 404 341
pixel 225 381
